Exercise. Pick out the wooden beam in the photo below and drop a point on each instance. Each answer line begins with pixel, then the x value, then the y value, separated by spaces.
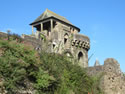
pixel 51 25
pixel 41 27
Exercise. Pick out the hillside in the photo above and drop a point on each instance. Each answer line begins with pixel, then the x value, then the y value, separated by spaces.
pixel 25 71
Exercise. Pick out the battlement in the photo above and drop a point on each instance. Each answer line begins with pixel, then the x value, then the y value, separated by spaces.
pixel 81 41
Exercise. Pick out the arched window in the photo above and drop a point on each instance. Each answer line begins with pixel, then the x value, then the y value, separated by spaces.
pixel 65 38
pixel 80 56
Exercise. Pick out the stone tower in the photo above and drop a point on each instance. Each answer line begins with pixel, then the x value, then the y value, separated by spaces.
pixel 61 37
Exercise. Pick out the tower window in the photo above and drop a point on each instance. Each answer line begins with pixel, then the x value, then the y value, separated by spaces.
pixel 65 40
pixel 54 46
pixel 80 56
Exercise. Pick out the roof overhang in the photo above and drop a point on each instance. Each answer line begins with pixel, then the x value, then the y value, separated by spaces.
pixel 57 20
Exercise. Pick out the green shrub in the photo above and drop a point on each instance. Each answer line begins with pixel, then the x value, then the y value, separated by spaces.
pixel 46 73
pixel 70 77
pixel 96 84
pixel 16 37
pixel 18 63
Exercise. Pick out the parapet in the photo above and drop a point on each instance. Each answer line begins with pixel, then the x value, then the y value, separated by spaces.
pixel 81 41
pixel 36 43
pixel 95 70
pixel 81 37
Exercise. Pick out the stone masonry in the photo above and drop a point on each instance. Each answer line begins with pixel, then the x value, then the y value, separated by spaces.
pixel 55 34
pixel 113 80
pixel 58 35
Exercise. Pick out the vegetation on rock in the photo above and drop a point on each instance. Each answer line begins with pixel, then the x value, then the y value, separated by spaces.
pixel 23 69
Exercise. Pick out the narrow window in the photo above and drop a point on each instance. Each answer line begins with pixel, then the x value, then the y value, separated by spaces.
pixel 80 56
pixel 54 46
pixel 65 38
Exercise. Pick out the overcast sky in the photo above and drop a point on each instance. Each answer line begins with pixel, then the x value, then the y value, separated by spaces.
pixel 102 20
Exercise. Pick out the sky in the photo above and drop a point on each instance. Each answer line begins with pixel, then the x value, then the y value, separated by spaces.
pixel 103 21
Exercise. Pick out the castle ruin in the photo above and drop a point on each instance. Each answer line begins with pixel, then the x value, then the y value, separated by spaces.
pixel 55 34
pixel 62 37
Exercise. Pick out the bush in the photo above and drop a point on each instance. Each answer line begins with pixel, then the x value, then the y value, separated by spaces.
pixel 19 63
pixel 16 37
pixel 70 77
pixel 22 68
pixel 96 84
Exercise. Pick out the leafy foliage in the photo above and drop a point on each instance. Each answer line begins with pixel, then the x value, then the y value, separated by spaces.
pixel 70 77
pixel 23 68
pixel 96 84
pixel 16 64
pixel 16 37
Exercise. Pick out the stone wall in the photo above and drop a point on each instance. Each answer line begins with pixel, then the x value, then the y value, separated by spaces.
pixel 113 80
pixel 95 70
pixel 36 43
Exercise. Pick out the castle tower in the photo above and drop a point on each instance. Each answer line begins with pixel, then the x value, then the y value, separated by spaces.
pixel 63 36
pixel 48 20
pixel 97 63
